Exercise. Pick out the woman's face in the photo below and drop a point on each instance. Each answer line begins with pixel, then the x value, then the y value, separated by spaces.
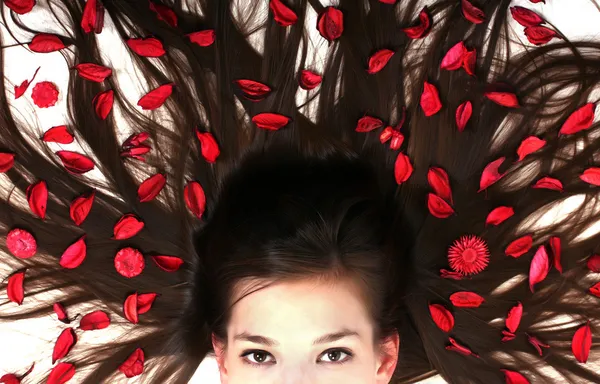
pixel 279 335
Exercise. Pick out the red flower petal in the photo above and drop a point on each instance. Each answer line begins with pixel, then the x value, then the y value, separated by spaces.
pixel 21 243
pixel 202 38
pixel 130 308
pixel 490 174
pixel 397 140
pixel 135 140
pixel 253 90
pixel 21 7
pixel 430 100
pixel 388 1
pixel 80 207
pixel 14 288
pixel 147 47
pixel 75 254
pixel 499 215
pixel 282 14
pixel 145 301
pixel 519 247
pixel 134 365
pixel 555 248
pixel 136 152
pixel 330 23
pixel 402 168
pixel 453 59
pixel 379 60
pixel 466 299
pixel 61 312
pixel 456 347
pixel 469 255
pixel 270 121
pixel 195 199
pixel 309 80
pixel 75 163
pixel 537 344
pixel 540 265
pixel 7 160
pixel 513 377
pixel 472 13
pixel 595 289
pixel 37 197
pixel 438 207
pixel 156 97
pixel 66 340
pixel 442 317
pixel 128 226
pixel 591 176
pixel 103 103
pixel 44 94
pixel 151 187
pixel 208 146
pixel 469 62
pixel 513 319
pixel 525 17
pixel 168 263
pixel 579 120
pixel 439 181
pixel 93 72
pixel 94 320
pixel 93 17
pixel 58 134
pixel 593 263
pixel 507 336
pixel 421 29
pixel 530 145
pixel 368 123
pixel 61 373
pixel 45 43
pixel 446 274
pixel 129 262
pixel 11 378
pixel 538 1
pixel 581 343
pixel 501 96
pixel 21 89
pixel 548 183
pixel 539 35
pixel 164 13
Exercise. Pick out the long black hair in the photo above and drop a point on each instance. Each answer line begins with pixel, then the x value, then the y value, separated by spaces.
pixel 431 156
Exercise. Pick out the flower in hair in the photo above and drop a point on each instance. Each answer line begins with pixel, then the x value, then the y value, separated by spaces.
pixel 469 255
pixel 44 94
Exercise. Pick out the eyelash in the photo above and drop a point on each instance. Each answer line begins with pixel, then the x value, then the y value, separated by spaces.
pixel 258 365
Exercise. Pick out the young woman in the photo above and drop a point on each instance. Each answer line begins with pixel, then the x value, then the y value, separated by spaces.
pixel 382 220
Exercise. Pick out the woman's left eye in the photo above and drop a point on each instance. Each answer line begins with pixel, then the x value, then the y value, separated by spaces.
pixel 334 355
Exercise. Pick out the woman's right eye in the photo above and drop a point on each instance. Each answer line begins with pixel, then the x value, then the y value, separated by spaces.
pixel 259 358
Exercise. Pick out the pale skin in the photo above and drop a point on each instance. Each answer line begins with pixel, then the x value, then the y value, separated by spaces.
pixel 294 315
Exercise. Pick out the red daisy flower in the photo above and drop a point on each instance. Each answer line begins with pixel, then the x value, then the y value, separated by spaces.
pixel 129 262
pixel 44 94
pixel 469 255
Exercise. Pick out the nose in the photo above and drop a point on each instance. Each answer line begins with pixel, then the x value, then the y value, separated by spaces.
pixel 297 374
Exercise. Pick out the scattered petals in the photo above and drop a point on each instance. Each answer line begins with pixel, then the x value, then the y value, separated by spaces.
pixel 156 97
pixel 540 265
pixel 195 199
pixel 93 72
pixel 472 13
pixel 582 343
pixel 309 80
pixel 593 263
pixel 61 312
pixel 168 263
pixel 66 340
pixel 580 120
pixel 7 160
pixel 330 23
pixel 164 13
pixel 513 319
pixel 14 289
pixel 11 378
pixel 37 197
pixel 595 289
pixel 453 59
pixel 591 176
pixel 537 344
pixel 438 207
pixel 94 320
pixel 58 134
pixel 128 226
pixel 44 94
pixel 145 301
pixel 499 215
pixel 555 248
pixel 513 377
pixel 81 206
pixel 130 308
pixel 469 255
pixel 208 146
pixel 490 174
pixel 379 60
pixel 283 15
pixel 440 182
pixel 202 38
pixel 147 47
pixel 135 139
pixel 75 254
pixel 21 7
pixel 519 247
pixel 446 274
pixel 129 262
pixel 151 187
pixel 402 168
pixel 21 243
pixel 501 95
pixel 93 17
pixel 466 300
pixel 46 43
pixel 421 29
pixel 270 121
pixel 456 347
pixel 368 123
pixel 22 88
pixel 61 373
pixel 530 145
pixel 75 163
pixel 469 62
pixel 526 17
pixel 548 183
pixel 539 35
pixel 442 317
pixel 253 90
pixel 103 103
pixel 134 365
pixel 430 100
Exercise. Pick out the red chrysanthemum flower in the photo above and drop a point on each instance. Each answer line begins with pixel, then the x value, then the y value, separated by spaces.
pixel 21 243
pixel 44 94
pixel 129 262
pixel 469 255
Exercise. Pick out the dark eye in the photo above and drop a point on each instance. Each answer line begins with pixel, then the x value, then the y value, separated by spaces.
pixel 257 358
pixel 335 356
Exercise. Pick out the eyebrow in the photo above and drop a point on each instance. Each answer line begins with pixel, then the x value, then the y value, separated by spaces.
pixel 328 338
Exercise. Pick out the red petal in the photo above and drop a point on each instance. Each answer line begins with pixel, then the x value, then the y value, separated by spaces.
pixel 388 1
pixel 128 226
pixel 379 60
pixel 538 1
pixel 208 146
pixel 103 103
pixel 507 336
pixel 37 197
pixel 145 301
pixel 579 120
pixel 14 289
pixel 21 243
pixel 202 38
pixel 9 378
pixel 282 14
pixel 44 94
pixel 80 207
pixel 423 28
pixel 93 72
pixel 164 13
pixel 151 187
pixel 135 152
pixel 75 254
pixel 430 100
pixel 539 34
pixel 156 97
pixel 58 134
pixel 540 265
pixel 168 263
pixel 593 263
pixel 519 247
pixel 21 7
pixel 94 320
pixel 490 174
pixel 453 59
pixel 530 145
pixel 66 340
pixel 129 262
pixel 397 140
pixel 61 373
pixel 130 308
pixel 253 89
pixel 581 343
pixel 505 99
pixel 134 365
pixel 555 248
pixel 442 317
pixel 21 89
pixel 438 207
pixel 330 23
pixel 368 123
pixel 402 168
pixel 61 312
pixel 195 199
pixel 513 377
pixel 472 13
pixel 7 160
pixel 466 299
pixel 499 215
pixel 309 80
pixel 456 347
pixel 45 43
pixel 270 121
pixel 147 47
pixel 548 183
pixel 136 139
pixel 469 62
pixel 446 274
pixel 93 17
pixel 591 176
pixel 513 319
pixel 526 17
pixel 595 289
pixel 537 344
pixel 75 162
pixel 439 181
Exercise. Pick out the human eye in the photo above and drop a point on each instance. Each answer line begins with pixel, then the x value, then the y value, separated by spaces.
pixel 255 353
pixel 334 354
